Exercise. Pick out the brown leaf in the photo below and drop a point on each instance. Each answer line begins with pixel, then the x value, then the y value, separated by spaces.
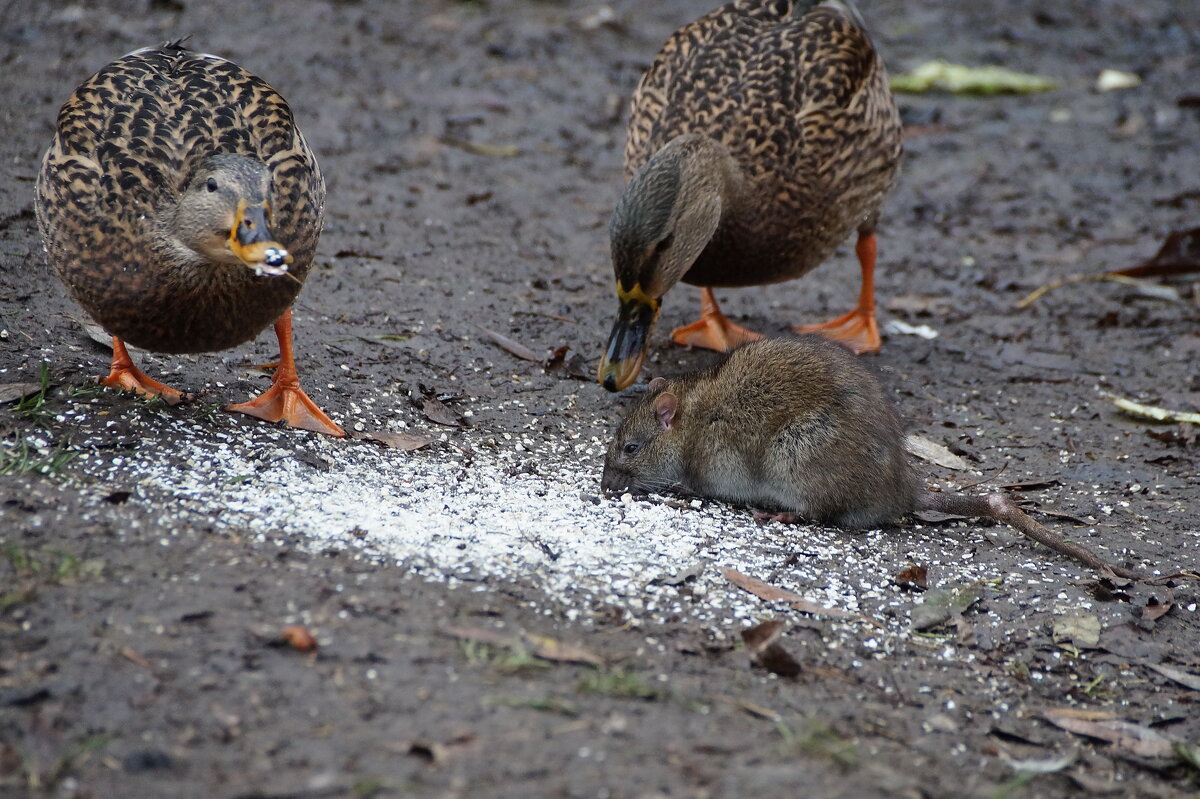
pixel 556 359
pixel 1179 254
pixel 299 638
pixel 1154 610
pixel 1185 678
pixel 1134 738
pixel 510 345
pixel 574 366
pixel 762 644
pixel 404 441
pixel 914 578
pixel 13 392
pixel 437 411
pixel 772 594
pixel 762 635
pixel 759 588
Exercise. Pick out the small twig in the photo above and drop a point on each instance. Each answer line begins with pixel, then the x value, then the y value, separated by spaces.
pixel 989 478
pixel 513 347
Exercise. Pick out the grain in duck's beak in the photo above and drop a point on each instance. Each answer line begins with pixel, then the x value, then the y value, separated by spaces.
pixel 629 340
pixel 252 242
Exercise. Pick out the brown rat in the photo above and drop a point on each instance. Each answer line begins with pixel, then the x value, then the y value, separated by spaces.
pixel 796 425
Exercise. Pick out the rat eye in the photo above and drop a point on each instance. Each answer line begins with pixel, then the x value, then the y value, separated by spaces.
pixel 632 448
pixel 212 184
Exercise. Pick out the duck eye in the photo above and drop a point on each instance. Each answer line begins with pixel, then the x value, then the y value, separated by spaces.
pixel 631 448
pixel 212 184
pixel 664 243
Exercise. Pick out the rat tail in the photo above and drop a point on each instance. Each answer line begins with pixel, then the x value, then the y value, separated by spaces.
pixel 1003 509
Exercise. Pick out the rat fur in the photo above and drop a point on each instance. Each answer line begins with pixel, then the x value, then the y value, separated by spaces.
pixel 796 425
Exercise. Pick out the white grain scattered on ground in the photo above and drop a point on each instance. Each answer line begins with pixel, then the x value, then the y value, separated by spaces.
pixel 529 509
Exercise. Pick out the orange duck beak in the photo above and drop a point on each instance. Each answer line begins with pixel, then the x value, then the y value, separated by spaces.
pixel 252 242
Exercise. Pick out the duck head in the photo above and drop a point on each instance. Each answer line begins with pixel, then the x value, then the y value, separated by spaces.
pixel 224 215
pixel 667 214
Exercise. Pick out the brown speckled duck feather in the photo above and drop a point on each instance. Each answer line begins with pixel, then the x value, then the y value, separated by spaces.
pixel 799 96
pixel 127 142
pixel 762 135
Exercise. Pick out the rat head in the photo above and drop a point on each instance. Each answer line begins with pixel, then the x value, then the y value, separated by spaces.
pixel 646 454
pixel 224 214
pixel 666 216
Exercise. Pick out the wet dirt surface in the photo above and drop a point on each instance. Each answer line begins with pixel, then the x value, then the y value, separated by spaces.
pixel 472 152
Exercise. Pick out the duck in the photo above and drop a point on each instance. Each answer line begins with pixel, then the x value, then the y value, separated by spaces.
pixel 761 137
pixel 181 207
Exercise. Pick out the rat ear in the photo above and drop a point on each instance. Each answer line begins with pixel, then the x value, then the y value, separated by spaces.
pixel 656 385
pixel 665 406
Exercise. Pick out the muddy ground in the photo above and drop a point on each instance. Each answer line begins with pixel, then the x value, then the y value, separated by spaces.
pixel 472 152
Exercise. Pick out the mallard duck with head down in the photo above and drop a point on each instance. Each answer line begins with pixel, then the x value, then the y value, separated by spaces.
pixel 181 207
pixel 761 137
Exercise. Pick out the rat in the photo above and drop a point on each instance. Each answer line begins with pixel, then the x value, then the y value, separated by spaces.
pixel 795 425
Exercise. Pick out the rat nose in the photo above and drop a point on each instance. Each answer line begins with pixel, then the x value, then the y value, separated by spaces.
pixel 613 480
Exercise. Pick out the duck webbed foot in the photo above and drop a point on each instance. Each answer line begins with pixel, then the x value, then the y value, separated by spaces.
pixel 857 329
pixel 713 330
pixel 285 400
pixel 124 376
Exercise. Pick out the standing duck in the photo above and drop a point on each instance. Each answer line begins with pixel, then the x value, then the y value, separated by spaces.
pixel 181 207
pixel 761 137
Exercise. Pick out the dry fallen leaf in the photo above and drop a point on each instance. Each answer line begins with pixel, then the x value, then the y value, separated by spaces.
pixel 914 578
pixel 12 392
pixel 1154 610
pixel 1179 254
pixel 1134 738
pixel 943 604
pixel 1153 412
pixel 437 411
pixel 762 642
pixel 1047 766
pixel 1079 627
pixel 772 594
pixel 961 79
pixel 1185 678
pixel 933 452
pixel 299 638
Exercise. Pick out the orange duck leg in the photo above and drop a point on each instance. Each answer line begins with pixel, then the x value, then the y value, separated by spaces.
pixel 857 329
pixel 712 330
pixel 124 376
pixel 285 399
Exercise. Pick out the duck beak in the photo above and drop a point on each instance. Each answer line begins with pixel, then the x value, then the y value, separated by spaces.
pixel 252 242
pixel 629 340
